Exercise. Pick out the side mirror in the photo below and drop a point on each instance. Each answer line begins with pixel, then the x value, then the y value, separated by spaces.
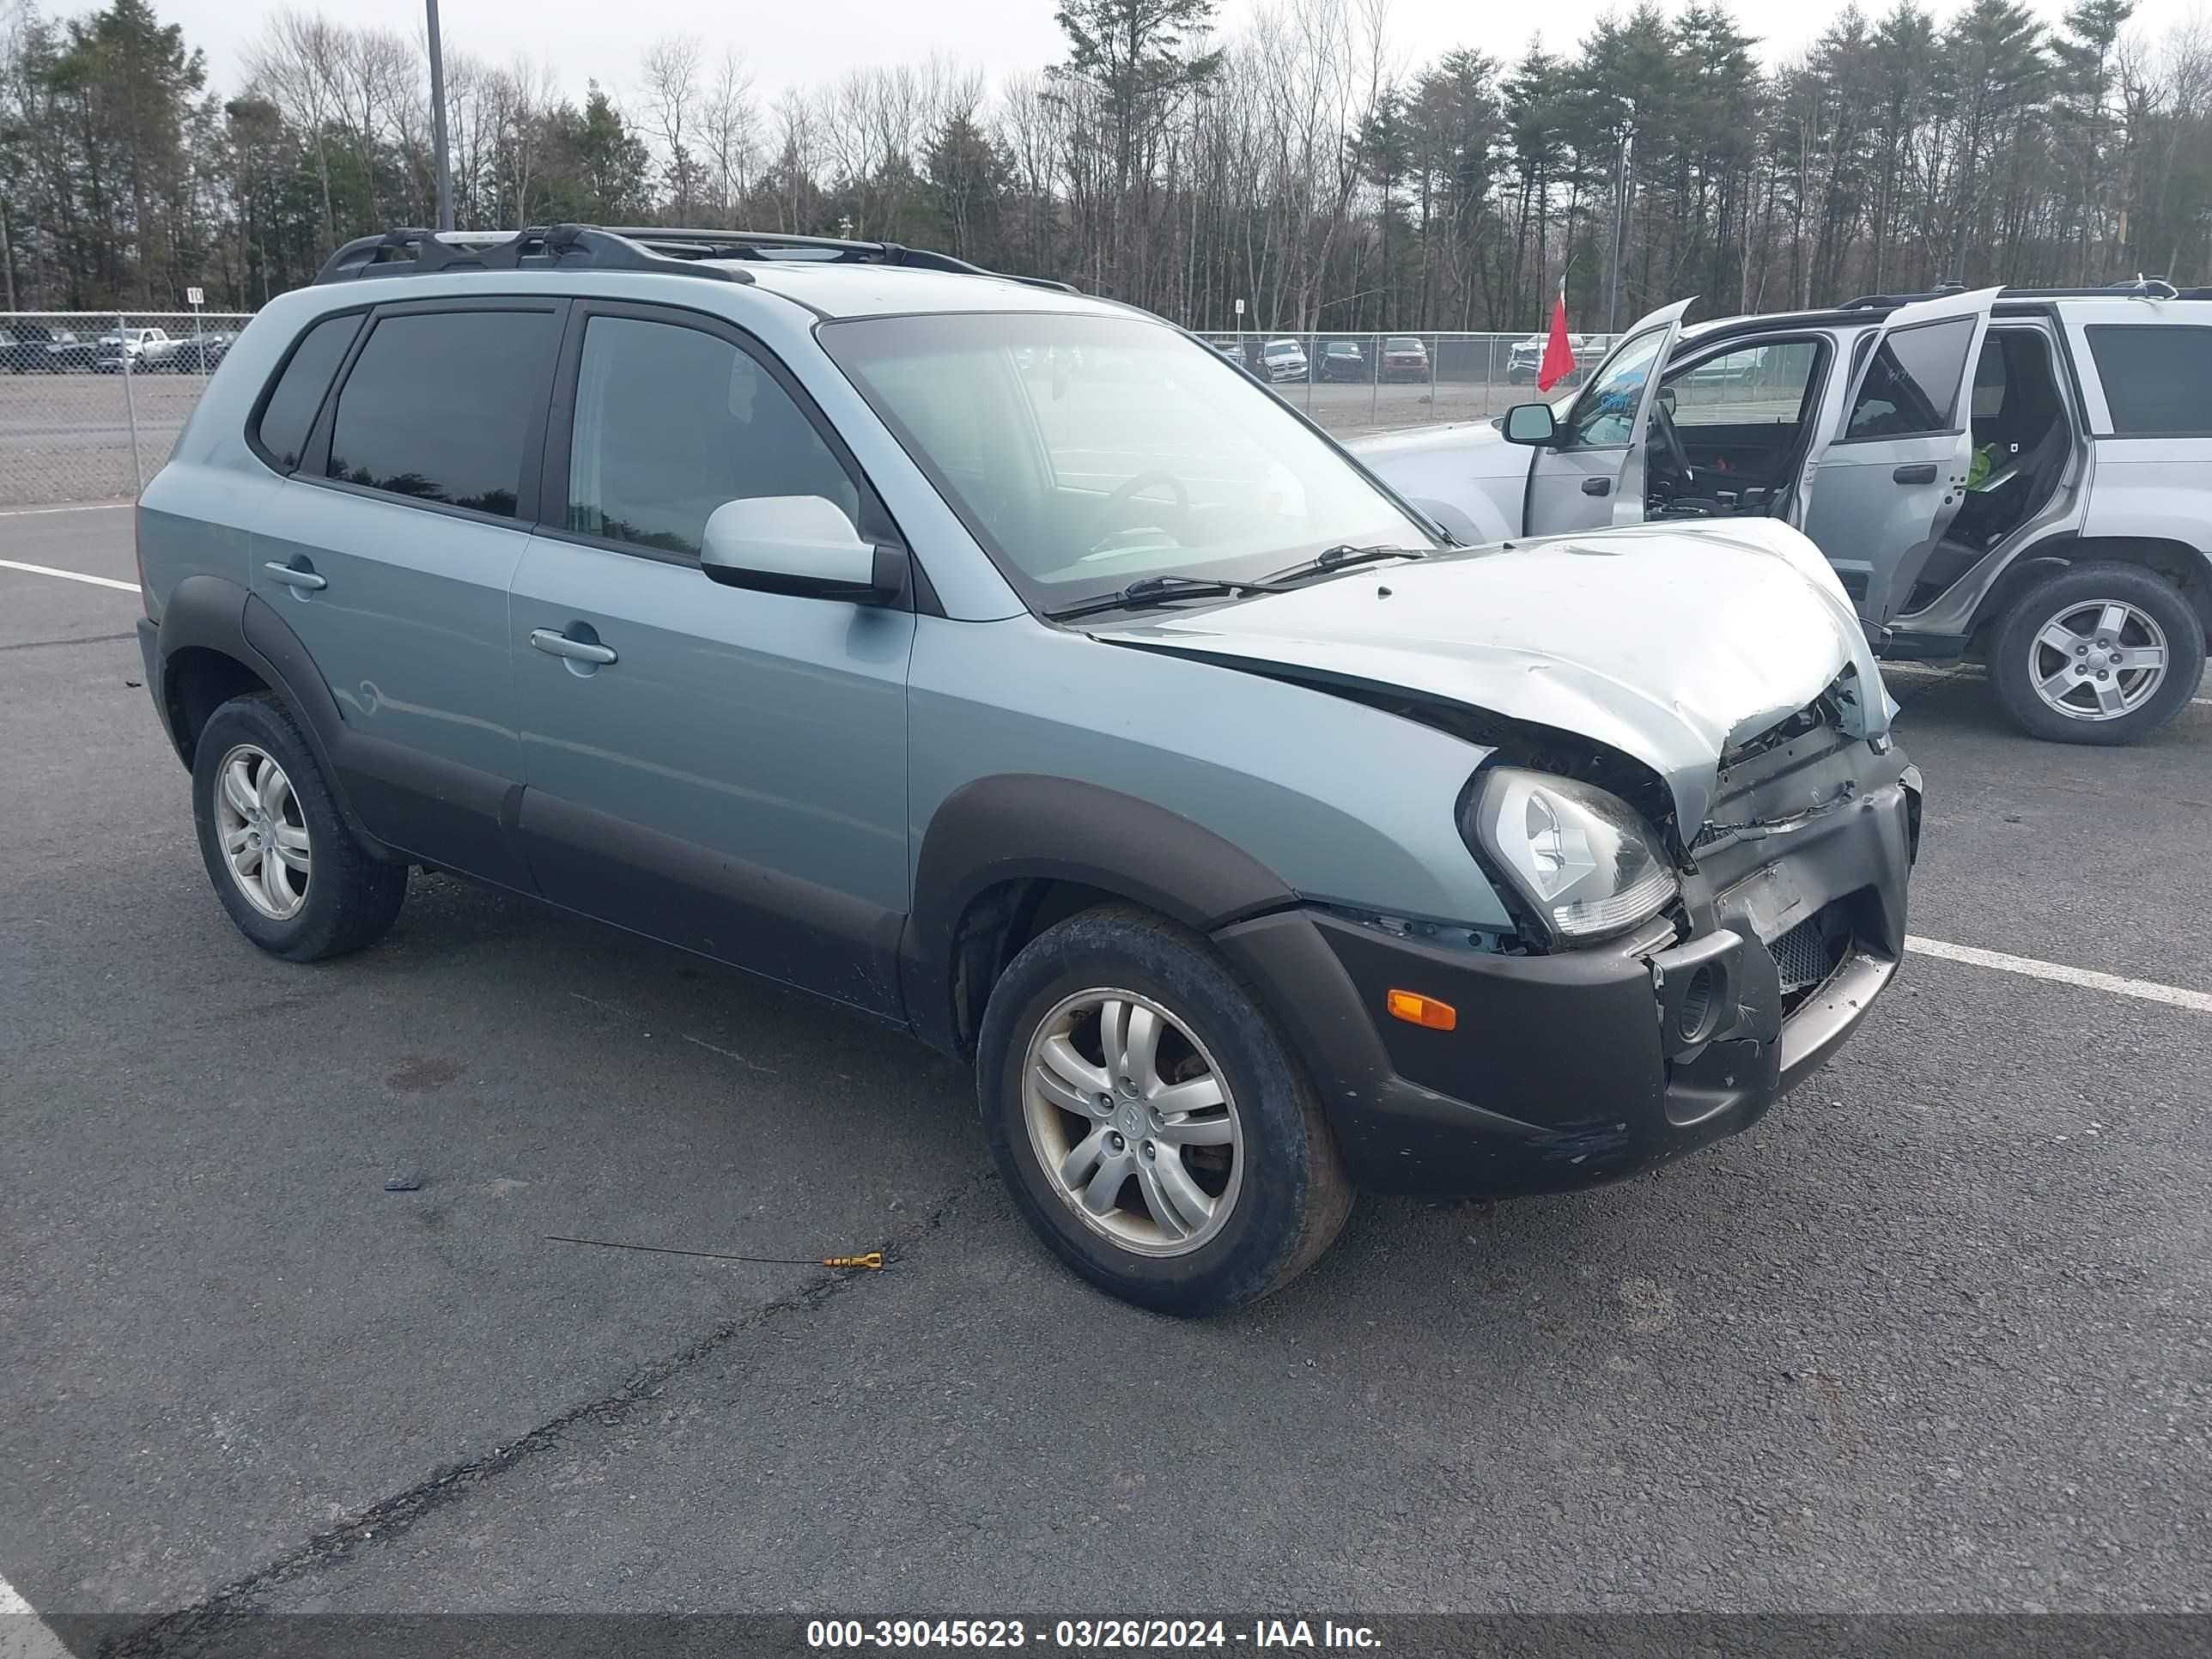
pixel 1529 423
pixel 799 544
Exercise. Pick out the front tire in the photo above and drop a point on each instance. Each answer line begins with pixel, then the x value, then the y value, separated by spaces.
pixel 293 876
pixel 1150 1121
pixel 2101 652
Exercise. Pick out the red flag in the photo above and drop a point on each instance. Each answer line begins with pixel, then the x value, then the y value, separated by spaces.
pixel 1559 356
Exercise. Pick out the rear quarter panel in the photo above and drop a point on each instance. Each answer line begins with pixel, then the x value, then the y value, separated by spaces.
pixel 196 516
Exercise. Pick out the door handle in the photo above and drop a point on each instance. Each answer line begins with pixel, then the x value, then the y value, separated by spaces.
pixel 293 576
pixel 1597 486
pixel 560 645
pixel 1919 472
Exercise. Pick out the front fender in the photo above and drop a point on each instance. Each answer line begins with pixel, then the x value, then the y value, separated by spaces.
pixel 1026 827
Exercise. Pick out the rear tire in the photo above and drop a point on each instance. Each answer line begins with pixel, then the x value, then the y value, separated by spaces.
pixel 2101 652
pixel 290 872
pixel 1196 1175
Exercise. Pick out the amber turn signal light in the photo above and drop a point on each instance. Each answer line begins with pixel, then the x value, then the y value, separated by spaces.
pixel 1417 1010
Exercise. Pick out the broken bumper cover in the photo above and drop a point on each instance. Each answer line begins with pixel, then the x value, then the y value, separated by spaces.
pixel 1590 1066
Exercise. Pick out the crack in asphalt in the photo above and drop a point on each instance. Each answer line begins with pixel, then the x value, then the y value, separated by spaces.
pixel 185 1629
pixel 40 645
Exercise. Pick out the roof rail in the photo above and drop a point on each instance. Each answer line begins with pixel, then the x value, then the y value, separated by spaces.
pixel 1890 301
pixel 412 251
pixel 2136 288
pixel 681 243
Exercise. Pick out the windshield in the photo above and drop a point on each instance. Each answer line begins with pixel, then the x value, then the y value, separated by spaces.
pixel 1119 449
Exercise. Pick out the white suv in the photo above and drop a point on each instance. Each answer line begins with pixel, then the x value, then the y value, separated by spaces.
pixel 2016 474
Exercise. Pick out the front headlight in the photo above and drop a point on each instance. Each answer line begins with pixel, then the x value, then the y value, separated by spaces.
pixel 1585 860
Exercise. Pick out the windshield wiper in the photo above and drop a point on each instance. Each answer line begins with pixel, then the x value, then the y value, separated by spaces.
pixel 1150 590
pixel 1342 556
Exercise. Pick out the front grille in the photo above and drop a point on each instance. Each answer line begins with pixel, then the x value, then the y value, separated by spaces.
pixel 1809 952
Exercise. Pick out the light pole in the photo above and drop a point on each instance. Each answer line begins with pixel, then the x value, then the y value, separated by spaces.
pixel 438 121
pixel 1620 222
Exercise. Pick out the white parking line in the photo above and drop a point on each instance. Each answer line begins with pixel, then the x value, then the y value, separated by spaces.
pixel 68 576
pixel 1966 671
pixel 23 1635
pixel 82 507
pixel 2145 990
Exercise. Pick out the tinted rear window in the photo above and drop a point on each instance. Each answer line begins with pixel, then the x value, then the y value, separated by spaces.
pixel 2157 379
pixel 290 411
pixel 439 406
pixel 1913 381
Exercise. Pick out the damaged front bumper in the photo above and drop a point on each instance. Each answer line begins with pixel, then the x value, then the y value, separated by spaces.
pixel 1588 1066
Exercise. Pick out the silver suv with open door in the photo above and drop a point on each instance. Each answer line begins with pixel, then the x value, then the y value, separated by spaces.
pixel 2014 475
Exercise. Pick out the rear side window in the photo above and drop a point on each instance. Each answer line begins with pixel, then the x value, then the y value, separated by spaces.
pixel 289 414
pixel 2158 380
pixel 439 405
pixel 1913 381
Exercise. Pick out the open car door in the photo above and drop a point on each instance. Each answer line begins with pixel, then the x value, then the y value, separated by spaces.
pixel 1591 474
pixel 1878 496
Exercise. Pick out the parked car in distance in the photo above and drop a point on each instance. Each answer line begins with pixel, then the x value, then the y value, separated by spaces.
pixel 1105 728
pixel 140 349
pixel 1342 360
pixel 199 353
pixel 28 348
pixel 1525 361
pixel 1404 358
pixel 2021 476
pixel 1284 360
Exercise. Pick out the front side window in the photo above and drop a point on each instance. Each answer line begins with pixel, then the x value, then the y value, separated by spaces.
pixel 289 414
pixel 1605 414
pixel 1761 384
pixel 671 423
pixel 439 405
pixel 2157 379
pixel 1912 382
pixel 1085 452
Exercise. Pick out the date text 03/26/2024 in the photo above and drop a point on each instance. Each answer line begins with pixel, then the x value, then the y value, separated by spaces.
pixel 1090 1635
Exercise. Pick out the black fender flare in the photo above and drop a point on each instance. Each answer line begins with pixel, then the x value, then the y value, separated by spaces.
pixel 1027 826
pixel 213 613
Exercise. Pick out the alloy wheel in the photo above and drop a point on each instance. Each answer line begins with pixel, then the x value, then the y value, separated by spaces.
pixel 1133 1122
pixel 2098 660
pixel 263 832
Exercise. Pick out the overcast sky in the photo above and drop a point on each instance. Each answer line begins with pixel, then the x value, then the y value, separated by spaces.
pixel 815 41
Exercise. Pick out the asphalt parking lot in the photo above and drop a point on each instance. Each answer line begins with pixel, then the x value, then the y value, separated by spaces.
pixel 1936 1335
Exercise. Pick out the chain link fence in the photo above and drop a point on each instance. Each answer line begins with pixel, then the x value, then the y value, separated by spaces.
pixel 92 401
pixel 1351 383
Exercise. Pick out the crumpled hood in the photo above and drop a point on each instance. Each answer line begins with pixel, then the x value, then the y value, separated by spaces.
pixel 1671 644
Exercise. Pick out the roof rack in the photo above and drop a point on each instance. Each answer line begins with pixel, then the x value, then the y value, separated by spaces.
pixel 683 244
pixel 2139 288
pixel 413 252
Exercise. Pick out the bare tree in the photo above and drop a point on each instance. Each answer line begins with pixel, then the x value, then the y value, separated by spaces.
pixel 670 72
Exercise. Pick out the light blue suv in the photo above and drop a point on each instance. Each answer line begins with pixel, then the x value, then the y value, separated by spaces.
pixel 1001 663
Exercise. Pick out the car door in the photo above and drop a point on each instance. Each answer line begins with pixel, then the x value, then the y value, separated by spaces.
pixel 1591 474
pixel 717 767
pixel 1878 495
pixel 389 550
